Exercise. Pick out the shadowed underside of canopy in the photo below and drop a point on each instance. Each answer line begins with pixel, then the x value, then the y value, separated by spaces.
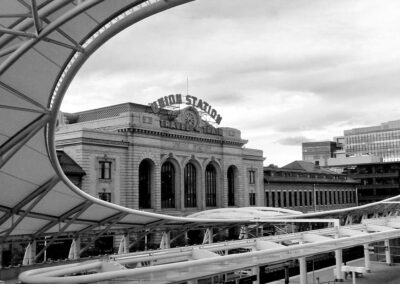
pixel 42 45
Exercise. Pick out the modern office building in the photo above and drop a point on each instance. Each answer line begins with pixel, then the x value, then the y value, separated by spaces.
pixel 319 152
pixel 306 187
pixel 175 161
pixel 382 140
pixel 378 180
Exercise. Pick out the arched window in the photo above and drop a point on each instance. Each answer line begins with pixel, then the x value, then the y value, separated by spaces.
pixel 231 186
pixel 145 184
pixel 211 186
pixel 167 185
pixel 190 185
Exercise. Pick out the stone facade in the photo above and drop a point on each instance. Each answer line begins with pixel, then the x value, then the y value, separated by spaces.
pixel 111 145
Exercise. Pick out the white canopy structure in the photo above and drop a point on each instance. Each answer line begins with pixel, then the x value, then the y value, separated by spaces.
pixel 43 44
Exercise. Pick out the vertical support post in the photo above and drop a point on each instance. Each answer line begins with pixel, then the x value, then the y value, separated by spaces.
pixel 33 248
pixel 286 274
pixel 339 264
pixel 186 237
pixel 387 253
pixel 127 243
pixel 75 249
pixel 30 253
pixel 168 240
pixel 367 258
pixel 303 270
pixel 1 256
pixel 256 271
pixel 208 236
pixel 244 232
pixel 165 240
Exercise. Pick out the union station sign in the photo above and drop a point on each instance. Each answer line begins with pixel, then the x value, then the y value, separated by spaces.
pixel 178 99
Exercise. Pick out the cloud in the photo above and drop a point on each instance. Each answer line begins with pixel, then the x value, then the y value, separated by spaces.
pixel 277 70
pixel 293 141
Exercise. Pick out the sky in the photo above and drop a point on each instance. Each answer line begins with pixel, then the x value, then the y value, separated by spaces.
pixel 281 71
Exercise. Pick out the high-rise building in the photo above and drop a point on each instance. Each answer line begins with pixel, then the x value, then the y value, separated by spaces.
pixel 382 140
pixel 319 152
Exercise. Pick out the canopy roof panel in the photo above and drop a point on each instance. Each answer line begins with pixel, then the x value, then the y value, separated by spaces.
pixel 42 46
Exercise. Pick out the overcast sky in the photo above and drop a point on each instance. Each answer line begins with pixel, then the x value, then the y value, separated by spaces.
pixel 281 71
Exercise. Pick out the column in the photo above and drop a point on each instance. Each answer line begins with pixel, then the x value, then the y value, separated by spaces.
pixel 33 251
pixel 30 253
pixel 75 248
pixel 127 243
pixel 286 274
pixel 1 256
pixel 303 270
pixel 339 264
pixel 387 253
pixel 166 240
pixel 367 258
pixel 256 271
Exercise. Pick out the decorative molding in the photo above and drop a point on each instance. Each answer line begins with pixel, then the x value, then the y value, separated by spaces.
pixel 154 157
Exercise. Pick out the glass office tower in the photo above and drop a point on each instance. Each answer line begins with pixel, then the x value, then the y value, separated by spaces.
pixel 381 140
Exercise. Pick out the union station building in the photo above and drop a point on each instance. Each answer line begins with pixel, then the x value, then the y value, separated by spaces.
pixel 168 160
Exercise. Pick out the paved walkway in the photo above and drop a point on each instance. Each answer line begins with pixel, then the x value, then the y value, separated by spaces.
pixel 381 273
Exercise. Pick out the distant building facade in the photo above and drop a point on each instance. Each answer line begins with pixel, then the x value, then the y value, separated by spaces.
pixel 378 180
pixel 382 140
pixel 305 187
pixel 319 152
pixel 167 161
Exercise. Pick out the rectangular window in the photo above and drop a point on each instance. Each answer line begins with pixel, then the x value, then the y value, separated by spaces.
pixel 106 196
pixel 279 197
pixel 105 170
pixel 252 198
pixel 252 177
pixel 273 199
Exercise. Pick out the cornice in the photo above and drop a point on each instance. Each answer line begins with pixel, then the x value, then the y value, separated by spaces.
pixel 174 135
pixel 92 141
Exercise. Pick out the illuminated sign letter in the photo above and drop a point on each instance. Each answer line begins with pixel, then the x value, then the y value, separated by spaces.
pixel 200 104
pixel 178 99
pixel 213 113
pixel 218 119
pixel 194 100
pixel 171 99
pixel 188 100
pixel 161 102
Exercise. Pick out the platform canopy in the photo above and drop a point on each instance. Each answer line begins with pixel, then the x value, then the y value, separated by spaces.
pixel 43 44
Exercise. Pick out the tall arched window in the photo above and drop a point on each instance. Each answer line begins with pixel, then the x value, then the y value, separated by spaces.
pixel 190 185
pixel 145 184
pixel 231 186
pixel 211 186
pixel 167 185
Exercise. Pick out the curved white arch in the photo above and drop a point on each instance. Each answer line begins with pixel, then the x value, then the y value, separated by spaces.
pixel 42 46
